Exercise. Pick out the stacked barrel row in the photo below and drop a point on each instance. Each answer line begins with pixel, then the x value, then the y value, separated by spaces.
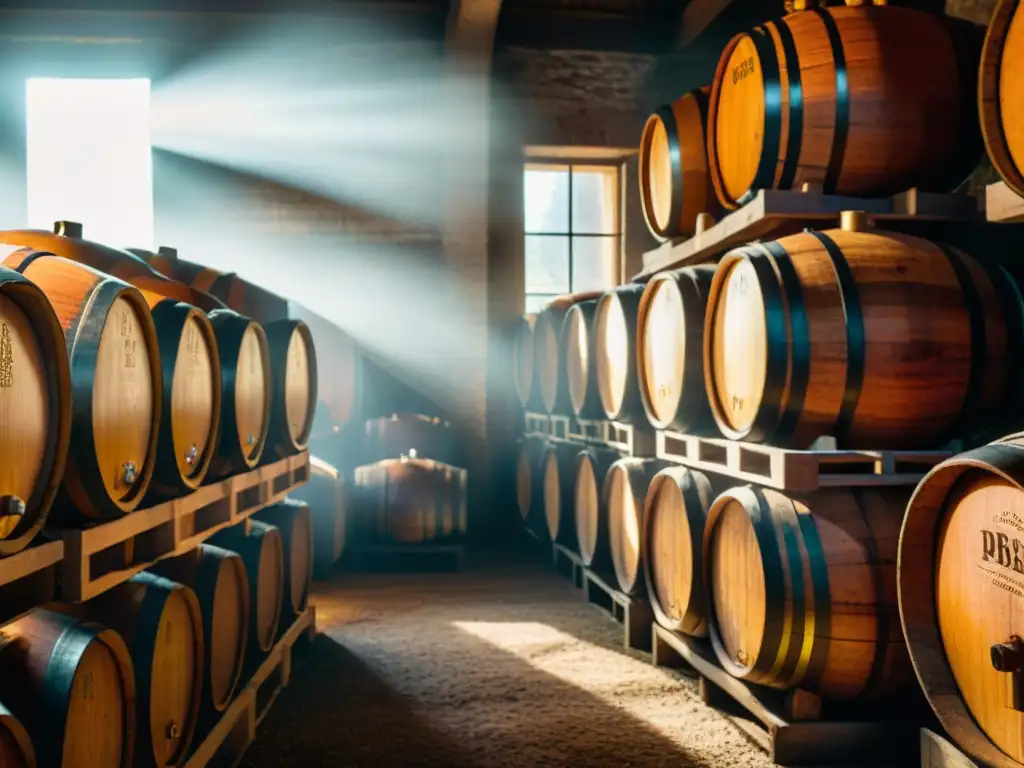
pixel 409 490
pixel 122 387
pixel 879 339
pixel 140 674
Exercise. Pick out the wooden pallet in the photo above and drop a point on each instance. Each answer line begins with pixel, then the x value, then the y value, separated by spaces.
pixel 29 578
pixel 171 528
pixel 235 732
pixel 787 725
pixel 633 613
pixel 628 438
pixel 1002 204
pixel 568 563
pixel 937 752
pixel 538 424
pixel 796 471
pixel 773 213
pixel 412 556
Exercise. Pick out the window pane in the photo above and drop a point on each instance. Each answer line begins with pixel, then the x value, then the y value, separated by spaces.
pixel 535 302
pixel 595 200
pixel 547 264
pixel 546 198
pixel 595 263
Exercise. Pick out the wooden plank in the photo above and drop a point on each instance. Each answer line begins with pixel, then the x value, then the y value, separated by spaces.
pixel 773 212
pixel 792 470
pixel 567 563
pixel 937 752
pixel 1002 204
pixel 30 561
pixel 776 723
pixel 174 527
pixel 633 613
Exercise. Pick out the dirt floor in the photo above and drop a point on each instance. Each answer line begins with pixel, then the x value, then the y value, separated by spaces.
pixel 502 665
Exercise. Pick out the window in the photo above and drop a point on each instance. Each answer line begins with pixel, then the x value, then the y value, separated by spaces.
pixel 573 234
pixel 90 158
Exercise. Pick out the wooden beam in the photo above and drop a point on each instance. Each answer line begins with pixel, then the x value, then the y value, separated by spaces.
pixel 696 17
pixel 471 27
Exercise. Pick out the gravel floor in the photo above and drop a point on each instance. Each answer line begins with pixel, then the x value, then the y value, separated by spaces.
pixel 503 665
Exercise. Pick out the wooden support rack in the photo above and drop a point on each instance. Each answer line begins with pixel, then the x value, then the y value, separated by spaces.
pixel 787 725
pixel 774 213
pixel 1002 204
pixel 633 613
pixel 796 471
pixel 568 563
pixel 631 439
pixel 937 752
pixel 147 535
pixel 235 732
pixel 538 424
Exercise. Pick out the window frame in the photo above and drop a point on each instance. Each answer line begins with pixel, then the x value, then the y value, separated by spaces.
pixel 569 162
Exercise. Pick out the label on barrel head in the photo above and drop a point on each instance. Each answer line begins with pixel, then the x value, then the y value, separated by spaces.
pixel 1002 552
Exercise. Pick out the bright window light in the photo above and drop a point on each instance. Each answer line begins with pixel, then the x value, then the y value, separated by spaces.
pixel 90 158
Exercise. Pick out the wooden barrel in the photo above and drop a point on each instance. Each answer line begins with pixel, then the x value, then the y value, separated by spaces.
pixel 818 334
pixel 409 501
pixel 579 360
pixel 262 550
pixel 245 393
pixel 675 185
pixel 292 360
pixel 35 403
pixel 615 328
pixel 71 684
pixel 16 749
pixel 547 352
pixel 219 581
pixel 292 518
pixel 625 494
pixel 591 507
pixel 326 495
pixel 116 384
pixel 670 350
pixel 192 394
pixel 998 86
pixel 523 371
pixel 530 482
pixel 672 524
pixel 838 97
pixel 802 593
pixel 160 622
pixel 409 434
pixel 961 582
pixel 66 241
pixel 559 473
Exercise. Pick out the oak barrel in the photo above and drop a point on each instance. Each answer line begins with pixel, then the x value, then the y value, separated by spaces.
pixel 579 360
pixel 35 409
pixel 71 684
pixel 999 85
pixel 670 350
pixel 409 434
pixel 66 241
pixel 615 333
pixel 523 370
pixel 262 550
pixel 558 467
pixel 160 622
pixel 16 748
pixel 879 339
pixel 841 97
pixel 548 359
pixel 961 585
pixel 801 593
pixel 672 525
pixel 292 518
pixel 409 501
pixel 625 493
pixel 116 385
pixel 675 185
pixel 219 581
pixel 530 482
pixel 591 507
pixel 326 493
pixel 292 360
pixel 245 393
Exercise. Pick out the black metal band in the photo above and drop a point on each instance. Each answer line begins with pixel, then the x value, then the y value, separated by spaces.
pixel 842 123
pixel 794 139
